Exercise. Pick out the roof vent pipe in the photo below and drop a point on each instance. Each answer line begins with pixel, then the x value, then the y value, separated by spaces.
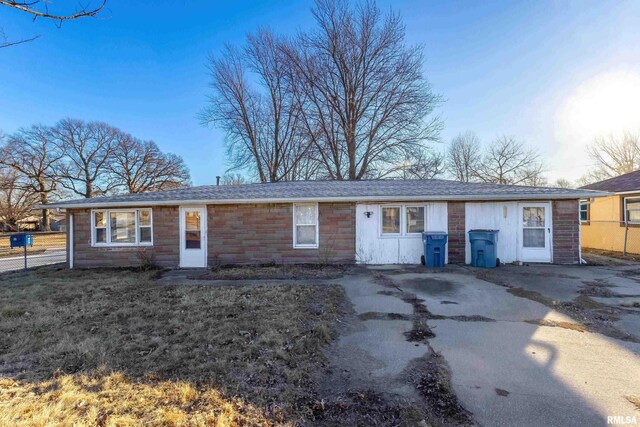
pixel 217 180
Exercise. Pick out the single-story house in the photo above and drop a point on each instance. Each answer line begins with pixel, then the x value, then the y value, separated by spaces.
pixel 370 221
pixel 609 222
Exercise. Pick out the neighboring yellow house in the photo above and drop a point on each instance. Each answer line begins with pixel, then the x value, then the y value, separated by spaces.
pixel 612 223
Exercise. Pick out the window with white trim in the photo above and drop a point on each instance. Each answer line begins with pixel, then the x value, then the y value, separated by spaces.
pixel 584 210
pixel 305 225
pixel 402 220
pixel 632 210
pixel 99 227
pixel 390 220
pixel 414 216
pixel 121 227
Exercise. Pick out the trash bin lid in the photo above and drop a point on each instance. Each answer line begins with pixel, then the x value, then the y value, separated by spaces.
pixel 483 231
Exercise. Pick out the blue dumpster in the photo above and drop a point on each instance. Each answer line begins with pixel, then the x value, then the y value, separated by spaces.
pixel 483 248
pixel 434 248
pixel 21 240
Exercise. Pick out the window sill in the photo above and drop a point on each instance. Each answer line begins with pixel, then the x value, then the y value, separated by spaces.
pixel 305 246
pixel 121 245
pixel 631 224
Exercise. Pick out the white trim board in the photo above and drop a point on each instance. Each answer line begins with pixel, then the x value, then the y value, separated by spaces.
pixel 363 199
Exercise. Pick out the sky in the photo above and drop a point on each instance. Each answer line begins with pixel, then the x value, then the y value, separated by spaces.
pixel 554 74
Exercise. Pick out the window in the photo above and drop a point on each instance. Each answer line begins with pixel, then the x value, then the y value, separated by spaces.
pixel 533 232
pixel 144 225
pixel 415 219
pixel 403 221
pixel 305 225
pixel 584 211
pixel 192 230
pixel 391 220
pixel 632 210
pixel 99 227
pixel 122 227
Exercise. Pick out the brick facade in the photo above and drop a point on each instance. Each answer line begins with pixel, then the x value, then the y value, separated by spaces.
pixel 566 232
pixel 252 233
pixel 165 251
pixel 457 235
pixel 256 233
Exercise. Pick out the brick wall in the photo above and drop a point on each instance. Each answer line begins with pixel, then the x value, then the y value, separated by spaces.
pixel 256 233
pixel 566 232
pixel 457 235
pixel 164 252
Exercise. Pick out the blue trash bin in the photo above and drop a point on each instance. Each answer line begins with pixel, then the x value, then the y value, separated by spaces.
pixel 21 240
pixel 483 248
pixel 434 248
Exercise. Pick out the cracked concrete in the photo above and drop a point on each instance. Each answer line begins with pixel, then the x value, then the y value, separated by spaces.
pixel 372 354
pixel 547 373
pixel 553 375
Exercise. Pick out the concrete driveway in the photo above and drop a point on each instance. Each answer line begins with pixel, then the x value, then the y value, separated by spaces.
pixel 528 345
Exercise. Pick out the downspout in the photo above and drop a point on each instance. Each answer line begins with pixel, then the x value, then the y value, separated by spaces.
pixel 71 241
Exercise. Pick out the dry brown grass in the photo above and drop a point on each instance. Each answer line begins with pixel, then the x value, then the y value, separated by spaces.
pixel 272 271
pixel 107 347
pixel 635 400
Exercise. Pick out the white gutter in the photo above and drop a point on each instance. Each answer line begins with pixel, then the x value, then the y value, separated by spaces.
pixel 472 197
pixel 628 192
pixel 70 241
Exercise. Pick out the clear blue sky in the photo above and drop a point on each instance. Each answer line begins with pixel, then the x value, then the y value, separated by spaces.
pixel 502 66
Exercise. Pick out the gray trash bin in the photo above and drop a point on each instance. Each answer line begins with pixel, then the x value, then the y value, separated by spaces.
pixel 483 248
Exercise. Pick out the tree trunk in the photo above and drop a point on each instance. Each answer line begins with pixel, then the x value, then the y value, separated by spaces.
pixel 46 221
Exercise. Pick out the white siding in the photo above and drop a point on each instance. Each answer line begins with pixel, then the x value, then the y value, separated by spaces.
pixel 501 216
pixel 372 248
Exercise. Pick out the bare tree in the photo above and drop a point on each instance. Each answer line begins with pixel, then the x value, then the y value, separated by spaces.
pixel 614 155
pixel 424 164
pixel 33 153
pixel 139 166
pixel 509 161
pixel 366 102
pixel 533 176
pixel 563 183
pixel 40 9
pixel 88 149
pixel 464 157
pixel 17 197
pixel 234 179
pixel 262 127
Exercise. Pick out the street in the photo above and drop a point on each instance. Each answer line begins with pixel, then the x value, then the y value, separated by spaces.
pixel 51 256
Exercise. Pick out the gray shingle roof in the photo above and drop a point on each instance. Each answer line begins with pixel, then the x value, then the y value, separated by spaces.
pixel 366 190
pixel 627 182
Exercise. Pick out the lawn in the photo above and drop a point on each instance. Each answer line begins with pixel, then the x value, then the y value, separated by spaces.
pixel 112 347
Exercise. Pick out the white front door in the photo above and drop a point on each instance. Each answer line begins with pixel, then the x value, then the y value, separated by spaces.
pixel 193 236
pixel 535 232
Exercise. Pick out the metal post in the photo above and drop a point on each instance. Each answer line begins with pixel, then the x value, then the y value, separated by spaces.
pixel 626 233
pixel 25 251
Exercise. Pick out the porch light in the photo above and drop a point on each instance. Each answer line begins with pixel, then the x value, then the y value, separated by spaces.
pixel 368 214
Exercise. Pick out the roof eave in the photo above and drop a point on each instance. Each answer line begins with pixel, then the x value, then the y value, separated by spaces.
pixel 458 198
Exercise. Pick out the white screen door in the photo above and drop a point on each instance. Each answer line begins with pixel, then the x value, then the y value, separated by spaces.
pixel 535 232
pixel 193 237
